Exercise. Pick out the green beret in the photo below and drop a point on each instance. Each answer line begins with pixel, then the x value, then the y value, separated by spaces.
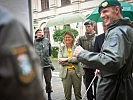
pixel 108 3
pixel 89 22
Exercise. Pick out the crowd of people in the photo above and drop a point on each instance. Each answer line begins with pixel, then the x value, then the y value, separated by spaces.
pixel 108 56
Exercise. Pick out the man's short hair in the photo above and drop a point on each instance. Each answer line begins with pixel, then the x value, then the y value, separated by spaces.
pixel 89 22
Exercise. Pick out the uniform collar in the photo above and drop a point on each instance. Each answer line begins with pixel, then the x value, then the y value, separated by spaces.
pixel 90 36
pixel 120 22
pixel 39 39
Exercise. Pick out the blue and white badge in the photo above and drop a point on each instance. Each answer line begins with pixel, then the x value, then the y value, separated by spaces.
pixel 26 72
pixel 113 41
pixel 24 66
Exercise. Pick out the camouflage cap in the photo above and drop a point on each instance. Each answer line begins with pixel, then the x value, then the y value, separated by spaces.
pixel 108 3
pixel 89 22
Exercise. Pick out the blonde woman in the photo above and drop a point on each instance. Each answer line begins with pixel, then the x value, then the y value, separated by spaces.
pixel 71 72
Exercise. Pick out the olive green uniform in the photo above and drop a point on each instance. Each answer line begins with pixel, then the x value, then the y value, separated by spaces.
pixel 115 62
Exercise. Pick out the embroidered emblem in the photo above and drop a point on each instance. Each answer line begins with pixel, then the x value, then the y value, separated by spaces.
pixel 25 71
pixel 104 4
pixel 113 42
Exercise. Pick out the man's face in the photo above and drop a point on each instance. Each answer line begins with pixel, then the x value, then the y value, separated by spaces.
pixel 89 28
pixel 39 34
pixel 108 15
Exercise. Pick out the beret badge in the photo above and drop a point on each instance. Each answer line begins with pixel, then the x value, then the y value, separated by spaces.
pixel 104 4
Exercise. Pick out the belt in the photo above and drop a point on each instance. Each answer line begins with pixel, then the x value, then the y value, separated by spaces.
pixel 70 68
pixel 129 75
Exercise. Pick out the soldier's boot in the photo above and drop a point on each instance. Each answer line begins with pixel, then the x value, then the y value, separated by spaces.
pixel 49 96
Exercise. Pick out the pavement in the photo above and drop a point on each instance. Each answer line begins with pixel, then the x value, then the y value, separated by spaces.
pixel 58 93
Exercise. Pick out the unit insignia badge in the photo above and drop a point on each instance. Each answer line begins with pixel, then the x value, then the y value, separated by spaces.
pixel 24 71
pixel 104 4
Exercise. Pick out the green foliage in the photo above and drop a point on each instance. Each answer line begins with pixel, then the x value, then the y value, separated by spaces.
pixel 57 36
pixel 59 33
pixel 55 51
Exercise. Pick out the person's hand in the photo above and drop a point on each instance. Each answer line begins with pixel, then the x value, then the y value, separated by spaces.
pixel 97 72
pixel 77 50
pixel 62 59
pixel 52 67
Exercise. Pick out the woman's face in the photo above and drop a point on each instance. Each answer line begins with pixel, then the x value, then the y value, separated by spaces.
pixel 68 39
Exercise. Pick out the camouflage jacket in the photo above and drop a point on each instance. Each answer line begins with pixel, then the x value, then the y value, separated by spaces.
pixel 87 42
pixel 43 49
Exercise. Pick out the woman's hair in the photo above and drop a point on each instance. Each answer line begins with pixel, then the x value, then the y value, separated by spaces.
pixel 71 34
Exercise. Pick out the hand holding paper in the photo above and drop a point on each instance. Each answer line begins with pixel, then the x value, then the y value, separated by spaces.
pixel 77 50
pixel 62 59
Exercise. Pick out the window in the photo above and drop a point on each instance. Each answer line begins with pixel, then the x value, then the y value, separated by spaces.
pixel 45 4
pixel 65 2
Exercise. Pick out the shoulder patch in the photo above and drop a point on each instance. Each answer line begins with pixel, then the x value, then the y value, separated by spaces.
pixel 24 69
pixel 113 41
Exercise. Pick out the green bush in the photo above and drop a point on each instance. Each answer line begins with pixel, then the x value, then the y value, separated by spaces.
pixel 55 51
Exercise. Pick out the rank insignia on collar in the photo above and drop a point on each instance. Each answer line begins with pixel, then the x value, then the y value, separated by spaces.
pixel 104 4
pixel 24 69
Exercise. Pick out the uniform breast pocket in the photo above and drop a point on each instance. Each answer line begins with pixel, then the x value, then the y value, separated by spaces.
pixel 85 45
pixel 38 47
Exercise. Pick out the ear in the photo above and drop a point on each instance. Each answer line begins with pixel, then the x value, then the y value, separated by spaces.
pixel 117 9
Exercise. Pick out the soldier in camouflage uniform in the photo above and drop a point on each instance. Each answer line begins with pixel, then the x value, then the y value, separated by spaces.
pixel 20 70
pixel 43 49
pixel 87 42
